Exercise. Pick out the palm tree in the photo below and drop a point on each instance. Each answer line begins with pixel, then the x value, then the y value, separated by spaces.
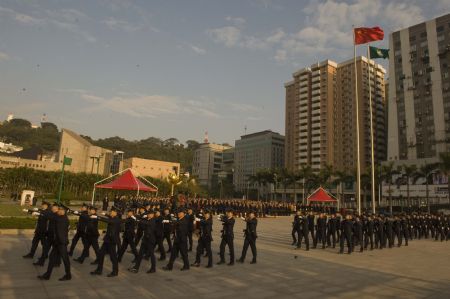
pixel 308 178
pixel 340 178
pixel 366 183
pixel 388 172
pixel 444 167
pixel 325 173
pixel 408 172
pixel 284 177
pixel 426 172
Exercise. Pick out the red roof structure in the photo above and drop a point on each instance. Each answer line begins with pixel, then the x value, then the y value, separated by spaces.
pixel 127 181
pixel 321 195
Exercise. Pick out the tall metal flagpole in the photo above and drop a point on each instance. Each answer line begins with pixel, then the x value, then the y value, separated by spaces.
pixel 358 166
pixel 371 133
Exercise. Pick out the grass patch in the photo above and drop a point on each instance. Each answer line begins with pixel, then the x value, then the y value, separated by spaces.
pixel 12 210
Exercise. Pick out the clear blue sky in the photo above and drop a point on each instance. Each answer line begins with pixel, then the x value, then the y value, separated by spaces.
pixel 175 68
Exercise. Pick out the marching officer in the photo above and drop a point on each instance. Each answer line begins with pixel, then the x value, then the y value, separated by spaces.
pixel 128 236
pixel 204 240
pixel 81 228
pixel 59 246
pixel 110 243
pixel 40 230
pixel 180 242
pixel 227 237
pixel 91 237
pixel 148 243
pixel 250 237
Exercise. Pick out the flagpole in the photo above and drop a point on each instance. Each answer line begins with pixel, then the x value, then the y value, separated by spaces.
pixel 371 133
pixel 62 179
pixel 358 166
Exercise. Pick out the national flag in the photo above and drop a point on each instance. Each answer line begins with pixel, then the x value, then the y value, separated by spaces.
pixel 364 35
pixel 67 161
pixel 375 52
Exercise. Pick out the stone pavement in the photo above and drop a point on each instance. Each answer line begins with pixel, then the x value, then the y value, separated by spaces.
pixel 421 270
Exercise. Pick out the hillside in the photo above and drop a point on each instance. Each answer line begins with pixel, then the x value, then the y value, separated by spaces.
pixel 20 132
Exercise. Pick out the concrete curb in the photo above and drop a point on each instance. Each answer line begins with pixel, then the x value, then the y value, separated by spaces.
pixel 15 231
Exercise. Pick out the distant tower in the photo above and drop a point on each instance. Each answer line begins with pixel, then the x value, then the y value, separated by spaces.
pixel 206 140
pixel 10 117
pixel 44 118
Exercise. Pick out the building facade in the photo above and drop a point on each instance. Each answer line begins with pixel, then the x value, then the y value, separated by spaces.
pixel 310 100
pixel 208 162
pixel 419 93
pixel 151 168
pixel 86 157
pixel 321 115
pixel 254 152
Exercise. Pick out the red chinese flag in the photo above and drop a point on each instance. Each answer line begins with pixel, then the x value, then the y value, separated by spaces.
pixel 365 35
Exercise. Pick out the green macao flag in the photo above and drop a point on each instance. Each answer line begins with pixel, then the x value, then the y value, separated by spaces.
pixel 67 161
pixel 378 53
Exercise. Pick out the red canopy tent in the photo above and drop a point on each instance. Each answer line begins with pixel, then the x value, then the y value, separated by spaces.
pixel 321 195
pixel 126 181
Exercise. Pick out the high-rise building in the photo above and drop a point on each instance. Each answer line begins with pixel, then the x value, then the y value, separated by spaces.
pixel 310 100
pixel 208 162
pixel 321 115
pixel 419 93
pixel 257 151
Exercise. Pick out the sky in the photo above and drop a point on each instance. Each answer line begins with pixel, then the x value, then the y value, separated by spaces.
pixel 167 68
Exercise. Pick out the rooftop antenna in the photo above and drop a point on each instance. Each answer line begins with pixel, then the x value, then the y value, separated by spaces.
pixel 245 130
pixel 206 140
pixel 44 118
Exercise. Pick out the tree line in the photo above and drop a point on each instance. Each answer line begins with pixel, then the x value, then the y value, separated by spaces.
pixel 308 180
pixel 20 132
pixel 76 186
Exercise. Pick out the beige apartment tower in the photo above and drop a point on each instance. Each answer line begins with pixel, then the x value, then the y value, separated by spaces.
pixel 321 115
pixel 419 93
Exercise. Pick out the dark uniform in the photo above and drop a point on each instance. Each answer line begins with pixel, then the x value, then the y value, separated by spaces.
pixel 91 239
pixel 81 230
pixel 167 229
pixel 159 233
pixel 109 246
pixel 321 231
pixel 204 241
pixel 303 229
pixel 148 245
pixel 59 244
pixel 227 239
pixel 180 244
pixel 128 238
pixel 250 239
pixel 331 231
pixel 346 235
pixel 39 232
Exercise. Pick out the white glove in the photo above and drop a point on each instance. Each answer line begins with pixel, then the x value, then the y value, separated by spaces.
pixel 25 210
pixel 93 217
pixel 133 217
pixel 218 218
pixel 104 214
pixel 165 221
pixel 197 219
pixel 76 212
pixel 35 209
pixel 243 218
pixel 35 214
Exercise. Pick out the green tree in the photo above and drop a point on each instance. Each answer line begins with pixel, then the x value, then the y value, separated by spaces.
pixel 426 172
pixel 388 173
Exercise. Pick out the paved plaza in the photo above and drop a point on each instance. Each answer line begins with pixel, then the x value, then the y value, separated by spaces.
pixel 421 270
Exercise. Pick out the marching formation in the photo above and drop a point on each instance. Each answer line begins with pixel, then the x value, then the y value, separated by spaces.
pixel 145 230
pixel 367 231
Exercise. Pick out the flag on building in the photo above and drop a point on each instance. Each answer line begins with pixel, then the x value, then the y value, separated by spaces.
pixel 375 52
pixel 67 161
pixel 364 35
